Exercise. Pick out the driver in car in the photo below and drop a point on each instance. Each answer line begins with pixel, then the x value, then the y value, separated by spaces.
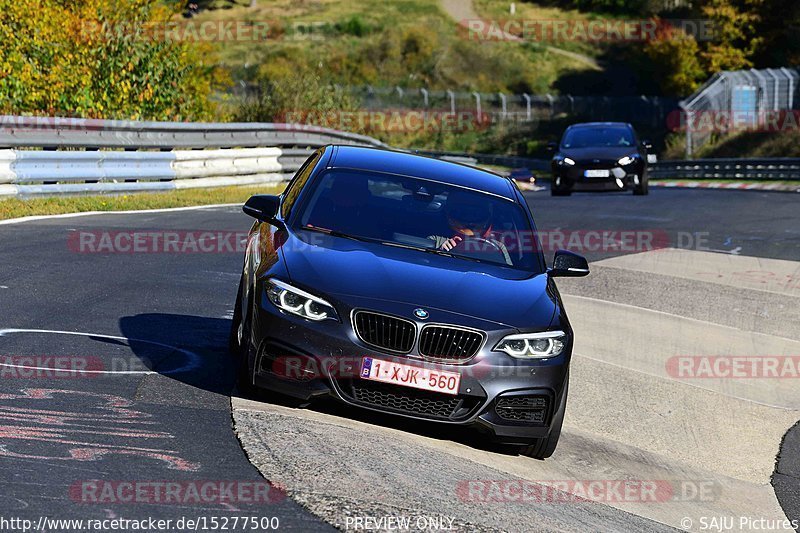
pixel 470 218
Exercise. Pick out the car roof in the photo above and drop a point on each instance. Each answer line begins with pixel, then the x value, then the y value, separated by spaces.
pixel 599 124
pixel 418 166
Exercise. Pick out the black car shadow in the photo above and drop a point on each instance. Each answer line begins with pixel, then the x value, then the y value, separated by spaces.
pixel 211 367
pixel 190 349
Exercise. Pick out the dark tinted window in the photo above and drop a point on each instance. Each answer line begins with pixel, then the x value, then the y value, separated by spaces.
pixel 421 214
pixel 297 184
pixel 598 136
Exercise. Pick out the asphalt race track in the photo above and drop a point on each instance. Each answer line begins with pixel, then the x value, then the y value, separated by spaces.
pixel 153 398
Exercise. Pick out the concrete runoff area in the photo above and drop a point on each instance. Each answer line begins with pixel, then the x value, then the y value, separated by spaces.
pixel 631 416
pixel 771 275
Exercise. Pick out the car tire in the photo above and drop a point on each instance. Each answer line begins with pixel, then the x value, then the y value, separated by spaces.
pixel 244 375
pixel 233 337
pixel 556 189
pixel 642 188
pixel 544 448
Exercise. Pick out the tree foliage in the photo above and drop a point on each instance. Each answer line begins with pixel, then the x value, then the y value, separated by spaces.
pixel 675 60
pixel 288 90
pixel 743 34
pixel 100 59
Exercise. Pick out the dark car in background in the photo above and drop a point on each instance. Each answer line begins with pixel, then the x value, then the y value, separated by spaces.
pixel 599 156
pixel 408 286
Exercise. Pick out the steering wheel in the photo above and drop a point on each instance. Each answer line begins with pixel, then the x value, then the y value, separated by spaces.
pixel 462 245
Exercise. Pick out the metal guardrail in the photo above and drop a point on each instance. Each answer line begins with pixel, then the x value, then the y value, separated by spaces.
pixel 45 132
pixel 784 169
pixel 80 156
pixel 37 172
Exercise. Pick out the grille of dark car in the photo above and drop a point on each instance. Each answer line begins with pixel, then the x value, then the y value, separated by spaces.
pixel 409 401
pixel 442 342
pixel 602 164
pixel 385 332
pixel 530 409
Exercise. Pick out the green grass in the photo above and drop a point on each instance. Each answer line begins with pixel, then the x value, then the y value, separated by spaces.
pixel 15 208
pixel 498 10
pixel 411 43
pixel 744 144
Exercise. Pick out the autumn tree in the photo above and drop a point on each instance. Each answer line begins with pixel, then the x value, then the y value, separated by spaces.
pixel 675 60
pixel 100 59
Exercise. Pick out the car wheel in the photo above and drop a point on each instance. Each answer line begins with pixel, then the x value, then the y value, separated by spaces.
pixel 544 448
pixel 233 337
pixel 244 376
pixel 641 189
pixel 556 189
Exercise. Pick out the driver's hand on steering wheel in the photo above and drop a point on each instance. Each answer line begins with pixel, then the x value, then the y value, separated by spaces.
pixel 449 244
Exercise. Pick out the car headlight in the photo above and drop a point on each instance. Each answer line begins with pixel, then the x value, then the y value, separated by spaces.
pixel 627 160
pixel 299 302
pixel 533 345
pixel 569 161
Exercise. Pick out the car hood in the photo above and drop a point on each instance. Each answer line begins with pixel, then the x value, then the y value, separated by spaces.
pixel 601 152
pixel 355 273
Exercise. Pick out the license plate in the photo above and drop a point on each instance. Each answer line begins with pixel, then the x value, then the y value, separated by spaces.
pixel 410 376
pixel 597 173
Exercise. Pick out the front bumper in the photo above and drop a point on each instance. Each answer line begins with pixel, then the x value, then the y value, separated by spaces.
pixel 511 400
pixel 618 179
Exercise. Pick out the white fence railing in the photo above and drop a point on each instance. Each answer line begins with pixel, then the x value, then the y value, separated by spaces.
pixel 34 172
pixel 78 156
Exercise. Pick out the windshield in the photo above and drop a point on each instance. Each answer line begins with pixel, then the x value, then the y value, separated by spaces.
pixel 422 215
pixel 598 136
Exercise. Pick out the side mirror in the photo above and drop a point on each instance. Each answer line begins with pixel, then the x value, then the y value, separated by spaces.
pixel 552 146
pixel 568 264
pixel 263 207
pixel 647 145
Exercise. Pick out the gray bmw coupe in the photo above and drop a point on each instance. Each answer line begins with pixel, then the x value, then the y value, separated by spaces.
pixel 409 286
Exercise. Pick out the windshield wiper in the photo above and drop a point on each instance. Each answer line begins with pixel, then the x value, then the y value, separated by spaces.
pixel 435 251
pixel 334 233
pixel 431 251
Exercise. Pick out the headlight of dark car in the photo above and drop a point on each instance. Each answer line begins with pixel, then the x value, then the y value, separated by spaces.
pixel 533 345
pixel 563 160
pixel 627 160
pixel 299 302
